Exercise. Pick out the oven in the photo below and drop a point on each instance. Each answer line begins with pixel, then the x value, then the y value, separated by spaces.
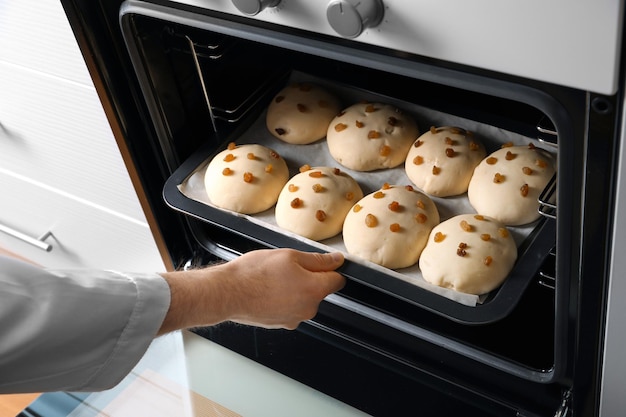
pixel 179 80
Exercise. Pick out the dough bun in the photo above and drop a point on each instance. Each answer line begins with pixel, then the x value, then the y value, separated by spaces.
pixel 441 161
pixel 246 179
pixel 469 253
pixel 300 113
pixel 390 227
pixel 371 136
pixel 314 203
pixel 507 184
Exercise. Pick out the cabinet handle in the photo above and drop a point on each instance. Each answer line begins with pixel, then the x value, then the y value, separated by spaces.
pixel 37 242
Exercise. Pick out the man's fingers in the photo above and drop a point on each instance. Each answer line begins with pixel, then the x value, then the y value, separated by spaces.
pixel 324 264
pixel 319 262
pixel 334 281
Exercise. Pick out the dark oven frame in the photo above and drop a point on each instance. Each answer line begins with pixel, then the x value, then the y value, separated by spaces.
pixel 351 358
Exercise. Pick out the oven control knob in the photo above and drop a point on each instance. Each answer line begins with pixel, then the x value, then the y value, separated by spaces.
pixel 350 18
pixel 253 7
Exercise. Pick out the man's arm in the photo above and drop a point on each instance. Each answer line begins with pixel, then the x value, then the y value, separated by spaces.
pixel 84 330
pixel 76 329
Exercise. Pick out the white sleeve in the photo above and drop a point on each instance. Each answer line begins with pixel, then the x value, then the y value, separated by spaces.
pixel 81 330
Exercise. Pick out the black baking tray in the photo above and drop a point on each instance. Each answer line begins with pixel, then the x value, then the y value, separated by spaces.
pixel 532 252
pixel 534 241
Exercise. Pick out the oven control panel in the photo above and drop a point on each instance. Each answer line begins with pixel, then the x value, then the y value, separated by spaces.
pixel 550 41
pixel 348 18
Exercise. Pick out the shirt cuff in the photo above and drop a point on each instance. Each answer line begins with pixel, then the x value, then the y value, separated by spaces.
pixel 151 306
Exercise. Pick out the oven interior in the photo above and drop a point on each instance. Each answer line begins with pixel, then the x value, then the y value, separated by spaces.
pixel 183 62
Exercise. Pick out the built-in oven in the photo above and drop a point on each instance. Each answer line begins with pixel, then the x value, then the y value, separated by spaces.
pixel 181 80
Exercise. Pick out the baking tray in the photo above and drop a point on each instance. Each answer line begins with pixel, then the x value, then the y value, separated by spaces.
pixel 184 192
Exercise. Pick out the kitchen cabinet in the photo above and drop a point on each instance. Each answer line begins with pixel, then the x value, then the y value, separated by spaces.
pixel 80 234
pixel 61 173
pixel 35 34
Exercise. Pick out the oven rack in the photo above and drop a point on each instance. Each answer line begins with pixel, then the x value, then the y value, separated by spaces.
pixel 223 55
pixel 547 274
pixel 235 113
pixel 213 49
pixel 547 199
pixel 547 135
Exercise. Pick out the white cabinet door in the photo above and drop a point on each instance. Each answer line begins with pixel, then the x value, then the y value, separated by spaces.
pixel 81 235
pixel 55 131
pixel 60 168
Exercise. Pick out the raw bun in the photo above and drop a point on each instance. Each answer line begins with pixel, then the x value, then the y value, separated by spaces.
pixel 442 160
pixel 246 179
pixel 370 136
pixel 390 227
pixel 469 253
pixel 314 203
pixel 507 184
pixel 300 113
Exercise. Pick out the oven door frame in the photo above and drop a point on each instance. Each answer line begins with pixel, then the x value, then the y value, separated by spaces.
pixel 111 69
pixel 568 121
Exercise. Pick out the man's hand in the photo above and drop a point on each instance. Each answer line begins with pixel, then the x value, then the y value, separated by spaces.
pixel 274 288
